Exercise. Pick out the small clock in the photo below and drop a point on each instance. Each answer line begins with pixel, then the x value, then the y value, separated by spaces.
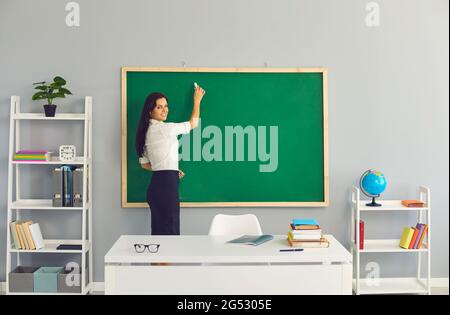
pixel 67 153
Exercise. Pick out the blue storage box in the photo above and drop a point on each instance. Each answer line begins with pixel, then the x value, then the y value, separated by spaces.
pixel 46 279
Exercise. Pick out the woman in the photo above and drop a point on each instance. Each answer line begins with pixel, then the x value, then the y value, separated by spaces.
pixel 157 148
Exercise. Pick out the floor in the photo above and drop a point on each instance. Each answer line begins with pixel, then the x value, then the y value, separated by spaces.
pixel 434 291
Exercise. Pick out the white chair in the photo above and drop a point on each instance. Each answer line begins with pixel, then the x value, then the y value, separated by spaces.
pixel 246 224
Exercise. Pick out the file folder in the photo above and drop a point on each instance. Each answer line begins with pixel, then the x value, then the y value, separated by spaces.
pixel 77 195
pixel 57 187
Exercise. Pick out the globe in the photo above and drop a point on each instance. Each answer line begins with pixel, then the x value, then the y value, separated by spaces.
pixel 373 184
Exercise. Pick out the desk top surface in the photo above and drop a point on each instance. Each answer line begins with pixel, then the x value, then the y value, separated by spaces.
pixel 214 249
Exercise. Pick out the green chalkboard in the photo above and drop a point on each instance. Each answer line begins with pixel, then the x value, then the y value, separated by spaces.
pixel 262 140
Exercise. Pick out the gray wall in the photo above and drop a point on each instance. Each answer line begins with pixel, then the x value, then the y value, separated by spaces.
pixel 388 95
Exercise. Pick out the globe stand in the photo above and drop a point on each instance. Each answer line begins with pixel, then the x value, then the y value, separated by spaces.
pixel 373 203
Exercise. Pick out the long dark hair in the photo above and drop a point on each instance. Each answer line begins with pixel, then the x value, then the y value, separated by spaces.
pixel 144 122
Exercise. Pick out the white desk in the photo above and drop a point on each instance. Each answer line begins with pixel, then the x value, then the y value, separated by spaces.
pixel 207 265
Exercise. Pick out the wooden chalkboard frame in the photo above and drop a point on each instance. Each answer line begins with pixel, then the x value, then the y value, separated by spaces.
pixel 323 71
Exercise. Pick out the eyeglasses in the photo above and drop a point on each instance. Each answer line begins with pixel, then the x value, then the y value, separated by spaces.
pixel 152 248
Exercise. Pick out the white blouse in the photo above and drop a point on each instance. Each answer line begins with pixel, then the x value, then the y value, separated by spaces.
pixel 161 144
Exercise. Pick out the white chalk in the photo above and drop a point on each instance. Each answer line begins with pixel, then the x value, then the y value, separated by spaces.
pixel 195 85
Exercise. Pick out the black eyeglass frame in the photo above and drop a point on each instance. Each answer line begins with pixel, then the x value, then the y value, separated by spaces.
pixel 146 246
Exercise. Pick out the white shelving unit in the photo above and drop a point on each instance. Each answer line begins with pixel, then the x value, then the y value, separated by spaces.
pixel 418 285
pixel 16 204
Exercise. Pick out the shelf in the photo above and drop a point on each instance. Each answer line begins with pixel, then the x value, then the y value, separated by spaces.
pixel 53 161
pixel 41 116
pixel 391 246
pixel 388 205
pixel 17 205
pixel 387 246
pixel 391 286
pixel 50 247
pixel 87 289
pixel 36 293
pixel 41 204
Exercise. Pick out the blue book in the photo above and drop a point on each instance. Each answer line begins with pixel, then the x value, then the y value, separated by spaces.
pixel 304 222
pixel 254 240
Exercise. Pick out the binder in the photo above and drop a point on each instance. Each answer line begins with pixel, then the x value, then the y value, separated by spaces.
pixel 77 195
pixel 57 187
pixel 67 186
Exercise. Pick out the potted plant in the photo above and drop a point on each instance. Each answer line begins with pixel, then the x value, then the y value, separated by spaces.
pixel 49 92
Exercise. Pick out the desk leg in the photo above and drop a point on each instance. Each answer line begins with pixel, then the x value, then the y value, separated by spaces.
pixel 110 280
pixel 347 279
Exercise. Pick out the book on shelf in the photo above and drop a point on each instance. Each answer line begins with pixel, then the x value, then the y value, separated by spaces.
pixel 412 237
pixel 361 234
pixel 36 234
pixel 15 235
pixel 413 203
pixel 423 232
pixel 26 235
pixel 22 237
pixel 408 233
pixel 30 155
pixel 69 247
pixel 26 229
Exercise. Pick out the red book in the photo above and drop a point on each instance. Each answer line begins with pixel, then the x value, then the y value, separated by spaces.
pixel 361 234
pixel 413 240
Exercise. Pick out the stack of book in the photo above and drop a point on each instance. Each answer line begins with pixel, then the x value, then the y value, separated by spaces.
pixel 413 203
pixel 306 234
pixel 26 235
pixel 412 237
pixel 32 156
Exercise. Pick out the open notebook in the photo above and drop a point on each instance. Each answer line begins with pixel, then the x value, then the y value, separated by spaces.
pixel 252 239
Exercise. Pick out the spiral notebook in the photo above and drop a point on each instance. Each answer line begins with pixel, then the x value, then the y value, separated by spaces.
pixel 254 240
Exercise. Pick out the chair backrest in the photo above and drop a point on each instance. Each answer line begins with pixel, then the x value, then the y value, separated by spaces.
pixel 246 224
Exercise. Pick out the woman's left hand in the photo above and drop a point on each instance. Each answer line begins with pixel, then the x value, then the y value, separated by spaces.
pixel 180 174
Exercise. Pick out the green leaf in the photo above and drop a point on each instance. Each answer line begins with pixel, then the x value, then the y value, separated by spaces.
pixel 39 96
pixel 59 80
pixel 41 87
pixel 57 95
pixel 65 91
pixel 43 82
pixel 54 86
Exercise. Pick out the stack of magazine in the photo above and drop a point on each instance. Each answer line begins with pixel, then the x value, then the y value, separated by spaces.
pixel 254 240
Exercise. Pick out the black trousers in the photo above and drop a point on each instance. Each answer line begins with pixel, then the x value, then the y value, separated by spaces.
pixel 164 201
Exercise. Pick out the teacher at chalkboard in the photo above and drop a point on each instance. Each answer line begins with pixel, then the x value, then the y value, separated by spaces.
pixel 157 148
